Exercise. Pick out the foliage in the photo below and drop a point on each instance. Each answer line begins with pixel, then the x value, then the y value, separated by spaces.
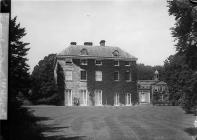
pixel 18 68
pixel 44 88
pixel 21 124
pixel 60 84
pixel 146 72
pixel 181 68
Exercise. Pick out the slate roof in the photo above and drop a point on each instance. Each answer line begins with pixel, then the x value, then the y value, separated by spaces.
pixel 146 82
pixel 95 51
pixel 151 82
pixel 161 83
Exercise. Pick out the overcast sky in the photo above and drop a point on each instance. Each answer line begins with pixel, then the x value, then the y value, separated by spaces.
pixel 140 27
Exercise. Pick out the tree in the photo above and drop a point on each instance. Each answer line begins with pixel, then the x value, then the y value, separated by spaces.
pixel 44 88
pixel 185 34
pixel 21 124
pixel 18 68
pixel 146 72
pixel 185 29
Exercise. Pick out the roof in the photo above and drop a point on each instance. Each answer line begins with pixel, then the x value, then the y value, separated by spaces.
pixel 151 82
pixel 146 82
pixel 96 51
pixel 161 83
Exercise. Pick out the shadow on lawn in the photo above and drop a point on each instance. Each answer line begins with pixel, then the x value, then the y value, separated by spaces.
pixel 54 129
pixel 66 138
pixel 192 132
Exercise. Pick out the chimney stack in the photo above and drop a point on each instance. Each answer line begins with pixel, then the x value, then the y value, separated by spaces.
pixel 88 43
pixel 73 43
pixel 102 43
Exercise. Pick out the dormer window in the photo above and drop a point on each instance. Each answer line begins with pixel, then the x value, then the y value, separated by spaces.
pixel 68 61
pixel 84 62
pixel 127 63
pixel 98 62
pixel 84 52
pixel 115 53
pixel 116 63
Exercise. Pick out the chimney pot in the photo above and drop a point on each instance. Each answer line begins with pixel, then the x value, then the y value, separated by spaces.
pixel 73 43
pixel 88 43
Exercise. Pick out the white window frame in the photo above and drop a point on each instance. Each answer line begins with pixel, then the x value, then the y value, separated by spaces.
pixel 128 99
pixel 129 76
pixel 66 75
pixel 98 64
pixel 117 99
pixel 82 63
pixel 68 93
pixel 118 63
pixel 98 98
pixel 86 75
pixel 128 64
pixel 98 76
pixel 118 76
pixel 84 95
pixel 68 60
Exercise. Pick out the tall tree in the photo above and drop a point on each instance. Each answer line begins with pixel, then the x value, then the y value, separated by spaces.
pixel 44 88
pixel 185 34
pixel 18 68
pixel 21 124
pixel 146 72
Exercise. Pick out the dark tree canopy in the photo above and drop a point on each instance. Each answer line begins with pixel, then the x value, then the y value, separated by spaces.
pixel 18 68
pixel 21 124
pixel 146 72
pixel 44 88
pixel 181 68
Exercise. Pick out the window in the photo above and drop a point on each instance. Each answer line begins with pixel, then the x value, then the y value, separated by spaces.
pixel 98 62
pixel 116 99
pixel 98 76
pixel 156 88
pixel 128 99
pixel 68 61
pixel 84 52
pixel 68 96
pixel 116 63
pixel 128 76
pixel 84 97
pixel 115 53
pixel 116 76
pixel 127 63
pixel 163 88
pixel 84 62
pixel 83 75
pixel 68 75
pixel 98 97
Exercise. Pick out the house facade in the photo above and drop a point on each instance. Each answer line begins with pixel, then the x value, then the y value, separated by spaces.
pixel 152 90
pixel 98 75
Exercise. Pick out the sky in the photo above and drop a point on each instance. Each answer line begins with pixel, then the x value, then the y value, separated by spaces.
pixel 139 27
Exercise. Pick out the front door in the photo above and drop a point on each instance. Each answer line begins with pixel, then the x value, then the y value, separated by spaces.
pixel 145 97
pixel 98 97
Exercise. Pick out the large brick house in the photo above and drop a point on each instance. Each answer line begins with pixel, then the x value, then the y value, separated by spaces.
pixel 98 75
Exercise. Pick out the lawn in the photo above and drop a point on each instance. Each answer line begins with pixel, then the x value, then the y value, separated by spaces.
pixel 143 122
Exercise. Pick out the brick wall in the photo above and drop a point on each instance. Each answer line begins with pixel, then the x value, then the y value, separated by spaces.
pixel 108 86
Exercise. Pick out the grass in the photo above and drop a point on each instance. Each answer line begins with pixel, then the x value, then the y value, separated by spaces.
pixel 143 122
